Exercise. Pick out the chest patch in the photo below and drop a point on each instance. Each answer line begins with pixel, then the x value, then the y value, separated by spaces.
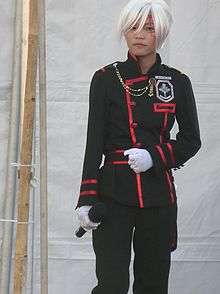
pixel 164 90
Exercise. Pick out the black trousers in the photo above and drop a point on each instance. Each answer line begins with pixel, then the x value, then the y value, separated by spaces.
pixel 149 229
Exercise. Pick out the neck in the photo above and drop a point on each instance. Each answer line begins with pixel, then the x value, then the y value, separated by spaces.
pixel 146 62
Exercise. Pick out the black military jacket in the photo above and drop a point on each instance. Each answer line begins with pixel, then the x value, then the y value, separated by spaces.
pixel 119 121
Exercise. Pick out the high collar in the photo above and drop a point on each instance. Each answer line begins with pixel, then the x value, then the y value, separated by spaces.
pixel 134 66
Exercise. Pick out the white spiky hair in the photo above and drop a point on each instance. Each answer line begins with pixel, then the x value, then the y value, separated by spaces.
pixel 138 11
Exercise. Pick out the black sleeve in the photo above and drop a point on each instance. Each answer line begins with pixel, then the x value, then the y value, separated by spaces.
pixel 95 138
pixel 174 153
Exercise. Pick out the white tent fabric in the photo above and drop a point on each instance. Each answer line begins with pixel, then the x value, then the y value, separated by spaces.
pixel 81 38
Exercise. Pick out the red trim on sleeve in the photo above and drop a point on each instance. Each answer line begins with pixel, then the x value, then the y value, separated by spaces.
pixel 161 154
pixel 170 187
pixel 88 193
pixel 170 148
pixel 89 181
pixel 164 107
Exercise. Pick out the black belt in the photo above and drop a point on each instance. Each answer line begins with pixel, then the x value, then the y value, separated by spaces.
pixel 116 157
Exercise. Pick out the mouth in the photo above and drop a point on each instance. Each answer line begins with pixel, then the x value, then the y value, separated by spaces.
pixel 139 45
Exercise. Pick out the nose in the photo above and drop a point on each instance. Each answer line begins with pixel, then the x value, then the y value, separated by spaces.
pixel 139 34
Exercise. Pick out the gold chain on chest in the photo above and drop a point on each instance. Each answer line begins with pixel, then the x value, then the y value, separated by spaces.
pixel 136 92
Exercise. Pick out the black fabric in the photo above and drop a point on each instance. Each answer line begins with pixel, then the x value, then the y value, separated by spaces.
pixel 110 128
pixel 150 231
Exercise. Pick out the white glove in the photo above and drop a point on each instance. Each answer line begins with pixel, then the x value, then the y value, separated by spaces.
pixel 83 217
pixel 140 160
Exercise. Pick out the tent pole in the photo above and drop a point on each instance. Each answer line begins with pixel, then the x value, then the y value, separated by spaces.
pixel 43 150
pixel 12 155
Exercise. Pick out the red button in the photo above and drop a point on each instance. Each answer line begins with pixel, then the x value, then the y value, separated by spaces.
pixel 133 103
pixel 134 125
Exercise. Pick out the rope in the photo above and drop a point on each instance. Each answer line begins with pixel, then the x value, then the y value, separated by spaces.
pixel 16 221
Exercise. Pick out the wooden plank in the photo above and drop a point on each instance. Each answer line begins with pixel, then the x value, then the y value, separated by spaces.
pixel 20 259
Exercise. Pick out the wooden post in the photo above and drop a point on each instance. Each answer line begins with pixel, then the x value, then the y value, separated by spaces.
pixel 20 259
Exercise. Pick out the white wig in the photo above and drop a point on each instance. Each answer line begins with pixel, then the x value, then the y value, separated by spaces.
pixel 138 11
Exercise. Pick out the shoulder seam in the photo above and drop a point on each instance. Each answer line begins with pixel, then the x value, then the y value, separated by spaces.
pixel 173 68
pixel 106 67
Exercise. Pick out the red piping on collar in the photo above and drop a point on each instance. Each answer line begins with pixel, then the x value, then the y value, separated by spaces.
pixel 135 59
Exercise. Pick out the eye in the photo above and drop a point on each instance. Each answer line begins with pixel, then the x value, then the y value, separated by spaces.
pixel 149 29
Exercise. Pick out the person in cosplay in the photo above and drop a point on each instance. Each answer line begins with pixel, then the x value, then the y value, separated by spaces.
pixel 132 109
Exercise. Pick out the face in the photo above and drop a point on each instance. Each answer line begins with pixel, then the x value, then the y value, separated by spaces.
pixel 142 43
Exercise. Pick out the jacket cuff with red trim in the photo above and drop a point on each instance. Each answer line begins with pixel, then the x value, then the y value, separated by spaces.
pixel 158 164
pixel 88 192
pixel 163 158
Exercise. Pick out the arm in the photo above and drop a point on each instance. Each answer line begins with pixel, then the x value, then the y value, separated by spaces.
pixel 95 139
pixel 174 153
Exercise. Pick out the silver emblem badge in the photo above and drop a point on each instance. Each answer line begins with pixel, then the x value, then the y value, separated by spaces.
pixel 164 90
pixel 163 78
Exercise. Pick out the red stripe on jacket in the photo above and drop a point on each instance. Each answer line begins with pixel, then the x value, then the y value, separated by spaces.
pixel 170 148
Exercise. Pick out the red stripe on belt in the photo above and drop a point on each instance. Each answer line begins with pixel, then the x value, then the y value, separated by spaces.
pixel 118 158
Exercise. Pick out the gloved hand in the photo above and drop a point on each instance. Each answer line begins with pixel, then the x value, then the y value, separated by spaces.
pixel 139 159
pixel 83 217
